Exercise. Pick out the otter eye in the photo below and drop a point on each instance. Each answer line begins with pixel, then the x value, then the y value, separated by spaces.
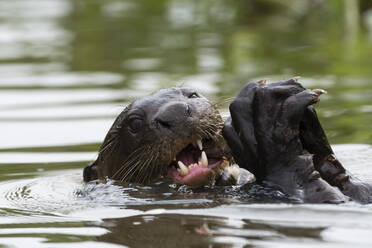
pixel 135 124
pixel 194 95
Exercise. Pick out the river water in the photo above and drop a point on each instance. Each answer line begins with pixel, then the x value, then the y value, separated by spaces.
pixel 67 68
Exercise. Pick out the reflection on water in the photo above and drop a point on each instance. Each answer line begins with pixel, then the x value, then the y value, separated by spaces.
pixel 55 206
pixel 69 67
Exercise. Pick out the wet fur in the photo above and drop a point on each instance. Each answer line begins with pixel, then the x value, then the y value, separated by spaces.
pixel 274 132
pixel 142 157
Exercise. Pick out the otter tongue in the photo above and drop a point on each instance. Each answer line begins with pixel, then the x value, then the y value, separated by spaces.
pixel 198 176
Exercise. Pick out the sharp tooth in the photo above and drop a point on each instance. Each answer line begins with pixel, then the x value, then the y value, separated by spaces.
pixel 200 145
pixel 203 159
pixel 319 91
pixel 192 166
pixel 183 168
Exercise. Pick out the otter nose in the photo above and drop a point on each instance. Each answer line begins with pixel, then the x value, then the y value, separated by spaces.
pixel 173 113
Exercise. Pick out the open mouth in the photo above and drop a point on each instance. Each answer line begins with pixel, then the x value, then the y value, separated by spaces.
pixel 195 166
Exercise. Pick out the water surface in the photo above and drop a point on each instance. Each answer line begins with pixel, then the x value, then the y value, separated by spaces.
pixel 69 67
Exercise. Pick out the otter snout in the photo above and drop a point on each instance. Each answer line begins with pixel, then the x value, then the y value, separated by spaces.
pixel 174 114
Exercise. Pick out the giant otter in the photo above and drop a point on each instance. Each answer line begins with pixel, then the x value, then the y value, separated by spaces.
pixel 273 132
pixel 174 133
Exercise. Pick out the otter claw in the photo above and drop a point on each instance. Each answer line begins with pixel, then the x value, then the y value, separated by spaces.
pixel 319 91
pixel 296 78
pixel 331 158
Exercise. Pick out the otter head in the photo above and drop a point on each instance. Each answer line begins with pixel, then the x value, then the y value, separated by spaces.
pixel 174 133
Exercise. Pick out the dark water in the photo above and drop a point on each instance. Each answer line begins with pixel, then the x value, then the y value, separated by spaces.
pixel 67 68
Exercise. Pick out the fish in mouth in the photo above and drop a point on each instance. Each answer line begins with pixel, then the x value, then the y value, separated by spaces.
pixel 174 133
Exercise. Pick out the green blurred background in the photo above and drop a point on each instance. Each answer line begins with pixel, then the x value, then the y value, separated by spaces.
pixel 69 67
pixel 214 46
pixel 228 43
